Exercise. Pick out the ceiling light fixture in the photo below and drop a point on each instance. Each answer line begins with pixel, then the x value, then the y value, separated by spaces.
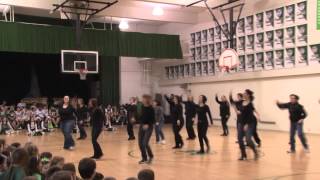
pixel 123 25
pixel 157 11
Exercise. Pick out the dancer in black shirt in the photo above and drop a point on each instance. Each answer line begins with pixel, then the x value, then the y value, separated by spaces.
pixel 202 111
pixel 190 112
pixel 248 115
pixel 236 104
pixel 224 113
pixel 176 115
pixel 297 116
pixel 147 121
pixel 132 118
pixel 97 120
pixel 68 116
pixel 82 116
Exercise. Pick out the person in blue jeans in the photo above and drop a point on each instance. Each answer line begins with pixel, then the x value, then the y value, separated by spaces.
pixel 159 116
pixel 297 115
pixel 246 127
pixel 68 117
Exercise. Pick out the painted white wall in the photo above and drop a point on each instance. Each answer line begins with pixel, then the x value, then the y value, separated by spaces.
pixel 267 89
pixel 132 80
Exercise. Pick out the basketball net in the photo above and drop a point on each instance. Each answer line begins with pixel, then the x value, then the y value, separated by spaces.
pixel 83 74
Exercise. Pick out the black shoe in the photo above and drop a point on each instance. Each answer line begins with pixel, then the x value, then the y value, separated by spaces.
pixel 223 134
pixel 200 152
pixel 176 147
pixel 131 138
pixel 143 162
pixel 291 151
pixel 96 157
pixel 259 145
pixel 242 158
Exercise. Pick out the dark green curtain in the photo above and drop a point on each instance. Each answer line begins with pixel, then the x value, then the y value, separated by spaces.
pixel 27 38
pixel 109 72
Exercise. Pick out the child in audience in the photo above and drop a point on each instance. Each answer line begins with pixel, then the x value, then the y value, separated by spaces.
pixel 19 163
pixel 45 159
pixel 5 126
pixel 32 126
pixel 57 161
pixel 54 116
pixel 11 117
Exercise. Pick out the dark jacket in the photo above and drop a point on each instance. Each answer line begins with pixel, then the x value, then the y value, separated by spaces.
pixel 190 109
pixel 224 108
pixel 147 115
pixel 296 111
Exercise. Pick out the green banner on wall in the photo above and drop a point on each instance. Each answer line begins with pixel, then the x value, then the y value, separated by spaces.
pixel 318 14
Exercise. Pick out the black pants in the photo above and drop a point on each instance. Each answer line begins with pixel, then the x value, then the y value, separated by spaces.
pixel 82 131
pixel 189 127
pixel 255 133
pixel 176 130
pixel 96 147
pixel 202 135
pixel 224 121
pixel 144 138
pixel 130 129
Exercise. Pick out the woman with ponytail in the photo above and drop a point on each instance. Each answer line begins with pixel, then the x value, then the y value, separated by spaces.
pixel 248 116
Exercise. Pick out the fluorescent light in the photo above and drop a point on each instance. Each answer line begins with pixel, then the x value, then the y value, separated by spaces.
pixel 123 25
pixel 157 11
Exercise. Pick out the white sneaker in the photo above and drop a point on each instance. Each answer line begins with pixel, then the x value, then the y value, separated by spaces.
pixel 163 142
pixel 306 150
pixel 71 148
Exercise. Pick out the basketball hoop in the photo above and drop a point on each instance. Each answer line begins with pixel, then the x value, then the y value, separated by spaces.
pixel 83 74
pixel 228 60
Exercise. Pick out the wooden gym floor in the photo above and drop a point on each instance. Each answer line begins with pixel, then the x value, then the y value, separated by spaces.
pixel 121 157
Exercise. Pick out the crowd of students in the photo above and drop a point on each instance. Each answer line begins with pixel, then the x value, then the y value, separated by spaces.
pixel 25 162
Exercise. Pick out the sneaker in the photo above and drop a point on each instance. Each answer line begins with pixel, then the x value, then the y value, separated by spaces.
pixel 158 142
pixel 71 148
pixel 163 142
pixel 306 150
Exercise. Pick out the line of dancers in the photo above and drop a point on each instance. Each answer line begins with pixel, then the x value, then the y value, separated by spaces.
pixel 247 121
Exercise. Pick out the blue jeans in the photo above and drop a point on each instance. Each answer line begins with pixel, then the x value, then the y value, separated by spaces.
pixel 294 127
pixel 67 127
pixel 159 133
pixel 248 135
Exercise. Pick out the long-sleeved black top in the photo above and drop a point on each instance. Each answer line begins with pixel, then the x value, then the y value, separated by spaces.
pixel 67 113
pixel 190 109
pixel 82 113
pixel 176 111
pixel 202 112
pixel 97 118
pixel 224 108
pixel 132 111
pixel 247 114
pixel 296 111
pixel 147 116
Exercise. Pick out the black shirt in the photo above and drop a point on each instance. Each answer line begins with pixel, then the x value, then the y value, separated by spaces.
pixel 97 118
pixel 224 108
pixel 82 113
pixel 190 107
pixel 147 116
pixel 247 113
pixel 202 112
pixel 67 113
pixel 296 111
